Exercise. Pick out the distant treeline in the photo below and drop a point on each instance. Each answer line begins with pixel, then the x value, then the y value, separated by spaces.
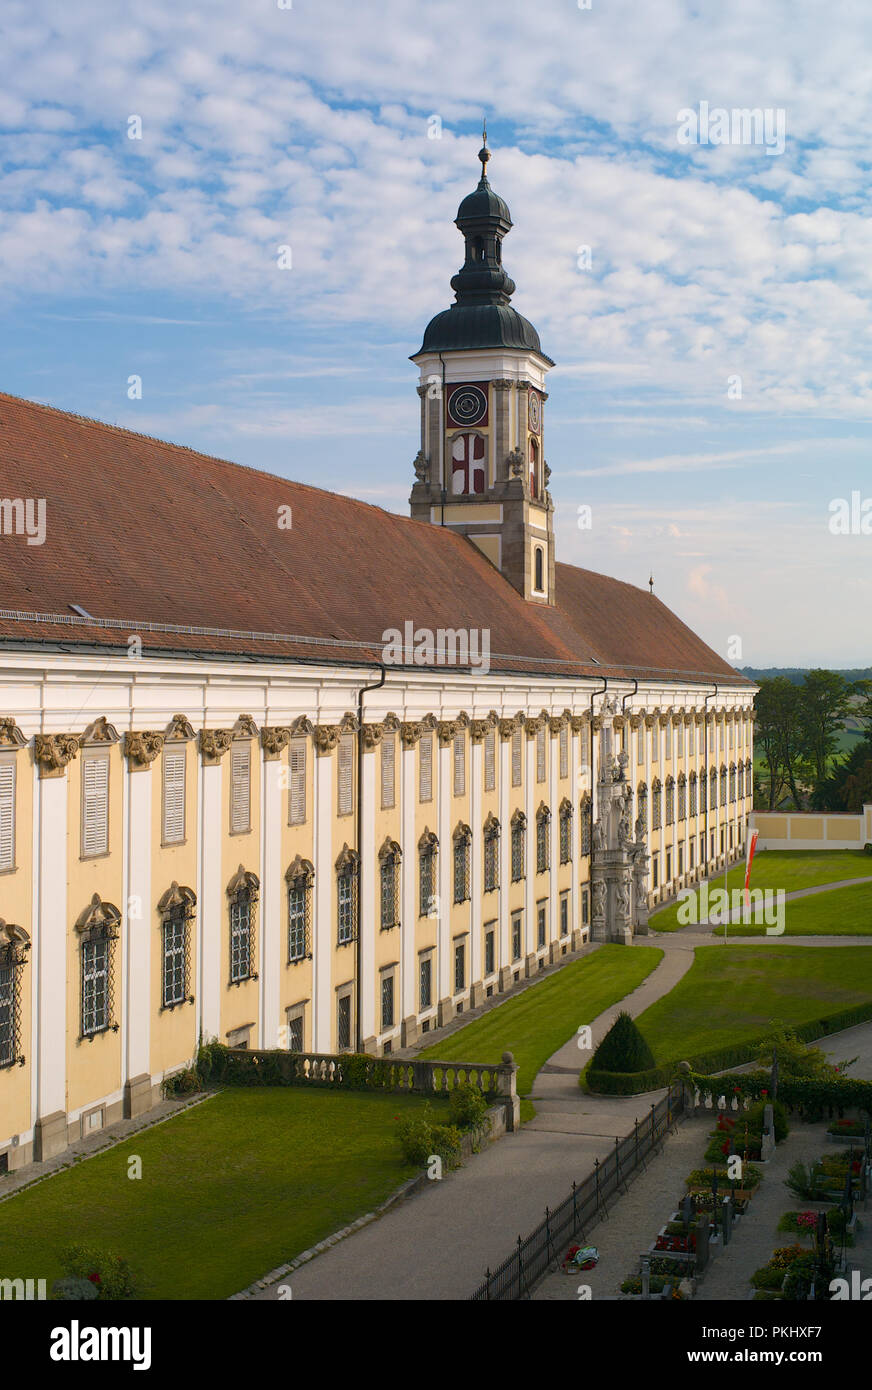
pixel 796 735
pixel 797 674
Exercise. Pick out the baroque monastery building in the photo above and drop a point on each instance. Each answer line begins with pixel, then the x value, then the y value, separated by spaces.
pixel 231 806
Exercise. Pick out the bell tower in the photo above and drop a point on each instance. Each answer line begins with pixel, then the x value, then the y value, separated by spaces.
pixel 481 468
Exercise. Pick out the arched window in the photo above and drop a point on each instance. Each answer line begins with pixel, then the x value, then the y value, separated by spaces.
pixel 670 801
pixel 543 838
pixel 749 777
pixel 703 790
pixel 534 469
pixel 539 569
pixel 491 854
pixel 462 843
pixel 642 804
pixel 242 891
pixel 682 797
pixel 740 790
pixel 584 819
pixel 713 789
pixel 732 782
pixel 389 857
pixel 468 465
pixel 427 848
pixel 656 804
pixel 565 831
pixel 14 945
pixel 299 878
pixel 692 785
pixel 519 837
pixel 347 876
pixel 98 927
pixel 723 785
pixel 176 909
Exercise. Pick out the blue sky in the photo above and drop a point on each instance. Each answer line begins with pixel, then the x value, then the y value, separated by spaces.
pixel 311 127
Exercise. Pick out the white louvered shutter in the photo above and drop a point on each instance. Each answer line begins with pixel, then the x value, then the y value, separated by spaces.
pixel 346 750
pixel 388 762
pixel 95 806
pixel 490 760
pixel 459 764
pixel 516 758
pixel 564 750
pixel 297 812
pixel 240 785
pixel 7 815
pixel 540 755
pixel 174 796
pixel 426 768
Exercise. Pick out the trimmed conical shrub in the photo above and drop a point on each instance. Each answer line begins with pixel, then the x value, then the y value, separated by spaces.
pixel 623 1048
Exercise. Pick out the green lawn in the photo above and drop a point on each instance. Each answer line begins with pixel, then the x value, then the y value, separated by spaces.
pixel 230 1189
pixel 842 912
pixel 732 993
pixel 789 870
pixel 535 1023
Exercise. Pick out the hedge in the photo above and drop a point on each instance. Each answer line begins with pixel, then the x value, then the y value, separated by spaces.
pixel 703 1064
pixel 807 1095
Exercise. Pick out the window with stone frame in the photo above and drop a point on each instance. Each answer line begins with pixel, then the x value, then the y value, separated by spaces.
pixel 489 948
pixel 543 839
pixel 98 928
pixel 299 879
pixel 585 814
pixel 541 755
pixel 740 775
pixel 387 999
pixel 176 910
pixel 490 760
pixel 565 831
pixel 517 759
pixel 345 775
pixel 427 850
pixel 692 793
pixel 14 946
pixel 682 797
pixel 703 793
pixel 462 855
pixel 389 857
pixel 459 966
pixel 425 767
pixel 242 893
pixel 642 805
pixel 240 786
pixel 670 801
pixel 723 786
pixel 563 753
pixel 388 769
pixel 425 981
pixel 518 846
pixel 347 879
pixel 517 935
pixel 732 782
pixel 491 840
pixel 656 804
pixel 460 763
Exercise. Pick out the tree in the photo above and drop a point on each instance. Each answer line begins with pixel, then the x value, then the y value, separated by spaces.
pixel 778 730
pixel 848 787
pixel 623 1048
pixel 824 698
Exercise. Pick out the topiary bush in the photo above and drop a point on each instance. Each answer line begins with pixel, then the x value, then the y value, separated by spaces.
pixel 623 1049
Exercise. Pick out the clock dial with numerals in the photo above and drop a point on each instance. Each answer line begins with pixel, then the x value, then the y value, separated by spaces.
pixel 534 412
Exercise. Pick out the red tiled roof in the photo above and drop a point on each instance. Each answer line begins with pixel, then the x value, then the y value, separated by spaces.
pixel 142 532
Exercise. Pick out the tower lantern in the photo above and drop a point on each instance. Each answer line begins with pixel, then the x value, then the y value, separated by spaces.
pixel 481 468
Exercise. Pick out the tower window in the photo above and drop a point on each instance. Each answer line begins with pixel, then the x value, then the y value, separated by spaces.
pixel 468 464
pixel 539 569
pixel 534 469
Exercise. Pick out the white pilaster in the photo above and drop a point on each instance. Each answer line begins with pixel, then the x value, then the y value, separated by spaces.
pixel 211 915
pixel 272 889
pixel 476 868
pixel 51 919
pixel 444 788
pixel 138 925
pixel 409 956
pixel 369 1025
pixel 323 927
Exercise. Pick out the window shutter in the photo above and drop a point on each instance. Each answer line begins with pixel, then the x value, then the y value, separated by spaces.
pixel 346 750
pixel 388 761
pixel 174 797
pixel 459 764
pixel 516 758
pixel 240 785
pixel 95 805
pixel 298 781
pixel 7 815
pixel 490 748
pixel 564 750
pixel 540 755
pixel 426 768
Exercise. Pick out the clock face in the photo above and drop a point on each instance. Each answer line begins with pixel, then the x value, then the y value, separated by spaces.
pixel 467 405
pixel 534 412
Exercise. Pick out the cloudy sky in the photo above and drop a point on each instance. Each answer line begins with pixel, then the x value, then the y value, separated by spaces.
pixel 348 132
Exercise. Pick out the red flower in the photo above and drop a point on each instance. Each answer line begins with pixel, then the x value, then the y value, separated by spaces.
pixel 94 1278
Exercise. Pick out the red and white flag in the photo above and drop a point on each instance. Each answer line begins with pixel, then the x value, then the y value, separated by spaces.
pixel 749 859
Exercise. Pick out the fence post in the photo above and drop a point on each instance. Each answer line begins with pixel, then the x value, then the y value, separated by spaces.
pixel 508 1091
pixel 574 1209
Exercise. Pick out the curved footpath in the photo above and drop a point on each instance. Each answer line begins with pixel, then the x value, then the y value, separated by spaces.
pixel 439 1242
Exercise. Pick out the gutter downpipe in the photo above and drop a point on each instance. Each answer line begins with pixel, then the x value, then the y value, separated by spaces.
pixel 359 847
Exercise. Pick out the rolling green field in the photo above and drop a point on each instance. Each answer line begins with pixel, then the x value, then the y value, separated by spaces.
pixel 535 1023
pixel 790 870
pixel 731 994
pixel 230 1189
